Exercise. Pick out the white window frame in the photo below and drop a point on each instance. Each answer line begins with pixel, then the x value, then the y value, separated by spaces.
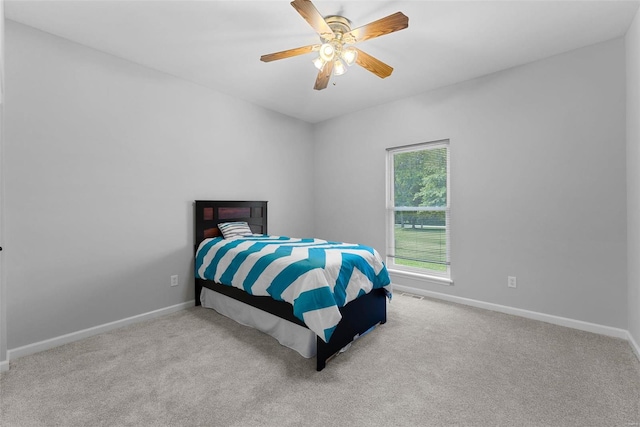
pixel 443 277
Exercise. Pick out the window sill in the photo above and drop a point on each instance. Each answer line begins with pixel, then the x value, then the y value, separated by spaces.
pixel 422 277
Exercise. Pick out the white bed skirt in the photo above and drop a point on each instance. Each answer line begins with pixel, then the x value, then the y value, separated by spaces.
pixel 289 334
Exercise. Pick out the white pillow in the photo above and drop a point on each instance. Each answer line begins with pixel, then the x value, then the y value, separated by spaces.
pixel 234 229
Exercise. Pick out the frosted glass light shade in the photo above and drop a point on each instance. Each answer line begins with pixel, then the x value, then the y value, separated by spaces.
pixel 339 68
pixel 349 55
pixel 327 52
pixel 319 63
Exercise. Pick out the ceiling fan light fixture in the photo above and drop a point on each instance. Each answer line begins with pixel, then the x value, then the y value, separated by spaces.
pixel 319 63
pixel 327 52
pixel 349 55
pixel 339 67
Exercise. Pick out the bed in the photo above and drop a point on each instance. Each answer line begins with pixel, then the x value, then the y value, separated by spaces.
pixel 357 317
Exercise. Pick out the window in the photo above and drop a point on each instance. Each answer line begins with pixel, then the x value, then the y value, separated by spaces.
pixel 418 208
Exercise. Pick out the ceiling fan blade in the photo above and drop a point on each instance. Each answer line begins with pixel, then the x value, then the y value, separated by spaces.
pixel 372 64
pixel 392 23
pixel 309 12
pixel 323 76
pixel 288 53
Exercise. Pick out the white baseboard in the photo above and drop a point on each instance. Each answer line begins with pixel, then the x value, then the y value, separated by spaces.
pixel 556 320
pixel 37 347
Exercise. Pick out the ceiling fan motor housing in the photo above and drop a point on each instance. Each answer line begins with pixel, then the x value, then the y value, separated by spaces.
pixel 339 25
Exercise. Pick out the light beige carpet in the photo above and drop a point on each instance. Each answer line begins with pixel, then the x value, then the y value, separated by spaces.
pixel 433 364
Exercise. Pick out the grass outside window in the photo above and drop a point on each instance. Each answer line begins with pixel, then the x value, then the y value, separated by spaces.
pixel 416 244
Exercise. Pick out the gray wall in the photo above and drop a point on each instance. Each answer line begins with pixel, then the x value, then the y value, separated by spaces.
pixel 3 298
pixel 632 43
pixel 103 161
pixel 537 182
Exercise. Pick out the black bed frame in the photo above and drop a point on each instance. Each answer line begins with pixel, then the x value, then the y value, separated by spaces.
pixel 358 316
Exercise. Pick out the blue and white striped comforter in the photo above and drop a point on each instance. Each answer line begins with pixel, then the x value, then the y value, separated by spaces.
pixel 315 276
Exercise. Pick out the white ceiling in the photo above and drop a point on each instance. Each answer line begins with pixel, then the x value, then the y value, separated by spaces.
pixel 218 44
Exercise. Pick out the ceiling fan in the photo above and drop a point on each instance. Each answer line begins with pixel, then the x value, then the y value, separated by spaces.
pixel 336 50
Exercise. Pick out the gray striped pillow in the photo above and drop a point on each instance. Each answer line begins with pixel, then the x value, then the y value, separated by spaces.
pixel 234 229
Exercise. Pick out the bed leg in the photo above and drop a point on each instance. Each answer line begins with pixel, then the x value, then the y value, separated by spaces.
pixel 321 357
pixel 197 291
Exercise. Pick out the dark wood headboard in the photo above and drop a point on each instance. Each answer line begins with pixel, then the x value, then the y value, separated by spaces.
pixel 210 213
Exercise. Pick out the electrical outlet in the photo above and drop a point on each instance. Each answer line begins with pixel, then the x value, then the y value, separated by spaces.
pixel 511 281
pixel 174 280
